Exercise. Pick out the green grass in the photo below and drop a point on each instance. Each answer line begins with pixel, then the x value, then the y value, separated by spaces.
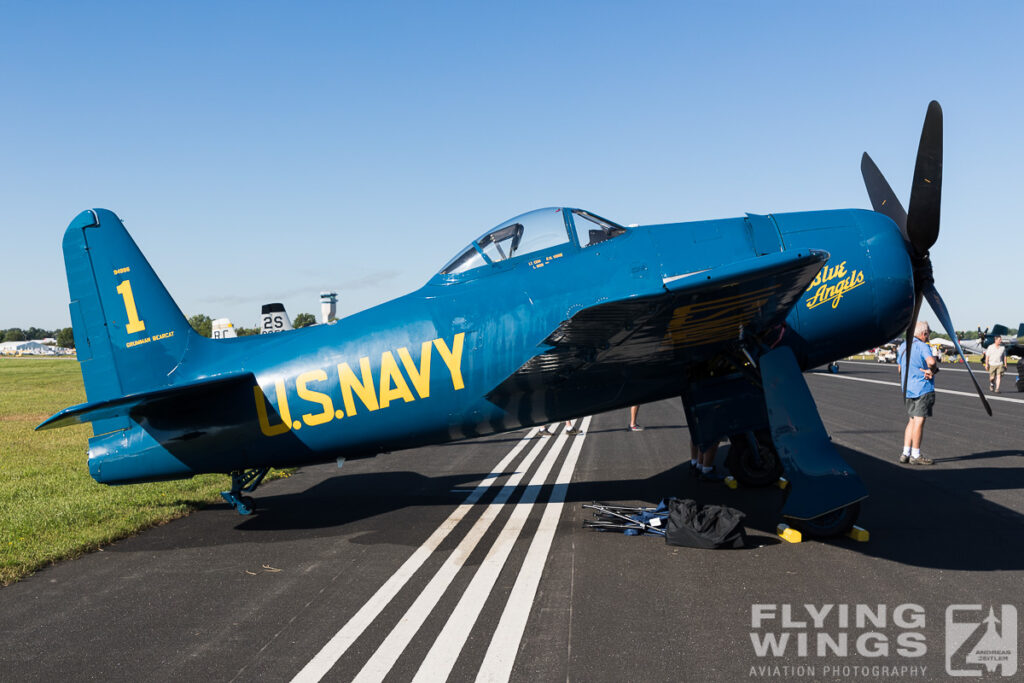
pixel 50 508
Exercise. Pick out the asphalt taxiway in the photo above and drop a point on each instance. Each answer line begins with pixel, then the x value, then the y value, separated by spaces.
pixel 469 562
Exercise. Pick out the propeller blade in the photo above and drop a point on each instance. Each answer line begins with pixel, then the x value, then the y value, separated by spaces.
pixel 926 191
pixel 883 199
pixel 939 307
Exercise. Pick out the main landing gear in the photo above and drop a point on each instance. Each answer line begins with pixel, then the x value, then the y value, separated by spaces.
pixel 754 461
pixel 244 481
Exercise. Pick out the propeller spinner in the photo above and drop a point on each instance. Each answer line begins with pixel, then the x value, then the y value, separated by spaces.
pixel 919 227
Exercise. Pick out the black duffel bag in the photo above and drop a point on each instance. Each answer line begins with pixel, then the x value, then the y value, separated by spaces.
pixel 694 525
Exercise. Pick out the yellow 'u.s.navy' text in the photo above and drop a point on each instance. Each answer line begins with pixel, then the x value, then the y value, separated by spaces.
pixel 313 388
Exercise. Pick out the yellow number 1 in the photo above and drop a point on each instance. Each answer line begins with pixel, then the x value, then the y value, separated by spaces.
pixel 134 324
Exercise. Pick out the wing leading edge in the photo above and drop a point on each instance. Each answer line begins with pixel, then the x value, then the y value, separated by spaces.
pixel 695 315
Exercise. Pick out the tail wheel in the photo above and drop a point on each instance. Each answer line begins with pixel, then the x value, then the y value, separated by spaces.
pixel 830 524
pixel 753 460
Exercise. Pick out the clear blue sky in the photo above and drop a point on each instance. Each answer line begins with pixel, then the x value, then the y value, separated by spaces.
pixel 263 151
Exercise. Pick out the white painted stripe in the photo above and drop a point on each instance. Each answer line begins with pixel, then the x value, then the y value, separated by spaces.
pixel 343 639
pixel 394 645
pixel 440 661
pixel 945 366
pixel 501 653
pixel 897 384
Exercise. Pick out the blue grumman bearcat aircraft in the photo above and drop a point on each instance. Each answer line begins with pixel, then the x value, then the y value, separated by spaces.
pixel 551 315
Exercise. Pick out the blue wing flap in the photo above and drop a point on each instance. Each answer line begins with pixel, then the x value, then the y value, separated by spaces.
pixel 125 405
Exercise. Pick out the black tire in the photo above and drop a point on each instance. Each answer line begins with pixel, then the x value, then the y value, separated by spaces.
pixel 833 368
pixel 755 468
pixel 835 523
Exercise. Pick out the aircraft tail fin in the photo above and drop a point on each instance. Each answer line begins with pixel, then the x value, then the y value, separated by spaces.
pixel 273 318
pixel 999 330
pixel 129 333
pixel 222 328
pixel 1020 331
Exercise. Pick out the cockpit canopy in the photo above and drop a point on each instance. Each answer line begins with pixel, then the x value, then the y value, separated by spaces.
pixel 532 232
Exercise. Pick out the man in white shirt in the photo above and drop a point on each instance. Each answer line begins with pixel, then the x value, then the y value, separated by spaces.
pixel 995 363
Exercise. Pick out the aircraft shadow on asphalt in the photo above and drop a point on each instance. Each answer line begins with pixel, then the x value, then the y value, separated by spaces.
pixel 347 499
pixel 937 517
pixel 928 517
pixel 912 517
pixel 328 506
pixel 518 436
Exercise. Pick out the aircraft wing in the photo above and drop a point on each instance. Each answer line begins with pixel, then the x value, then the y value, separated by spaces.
pixel 694 313
pixel 135 403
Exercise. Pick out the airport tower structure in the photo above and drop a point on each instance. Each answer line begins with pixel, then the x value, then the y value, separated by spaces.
pixel 328 306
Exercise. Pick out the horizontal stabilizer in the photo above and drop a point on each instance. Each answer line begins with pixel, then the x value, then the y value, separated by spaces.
pixel 135 404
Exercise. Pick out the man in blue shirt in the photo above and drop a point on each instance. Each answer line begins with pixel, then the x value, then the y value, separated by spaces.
pixel 920 396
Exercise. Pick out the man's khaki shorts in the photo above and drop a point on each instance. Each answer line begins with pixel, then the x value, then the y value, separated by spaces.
pixel 994 370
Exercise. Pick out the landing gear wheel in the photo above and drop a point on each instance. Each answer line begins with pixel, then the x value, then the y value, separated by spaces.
pixel 243 504
pixel 830 524
pixel 833 368
pixel 752 459
pixel 244 481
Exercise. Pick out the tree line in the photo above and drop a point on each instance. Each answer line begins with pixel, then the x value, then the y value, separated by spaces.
pixel 63 336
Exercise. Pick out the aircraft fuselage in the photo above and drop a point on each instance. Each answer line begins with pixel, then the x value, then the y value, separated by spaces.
pixel 417 370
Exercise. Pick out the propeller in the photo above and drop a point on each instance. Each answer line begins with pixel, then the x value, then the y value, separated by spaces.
pixel 883 199
pixel 920 228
